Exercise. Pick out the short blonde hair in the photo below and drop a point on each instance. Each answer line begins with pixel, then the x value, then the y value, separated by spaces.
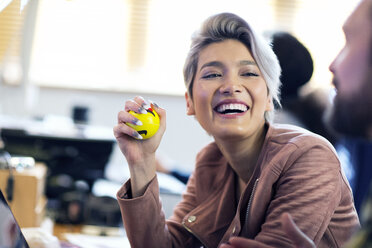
pixel 225 26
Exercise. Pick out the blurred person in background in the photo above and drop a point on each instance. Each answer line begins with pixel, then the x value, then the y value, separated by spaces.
pixel 301 105
pixel 306 106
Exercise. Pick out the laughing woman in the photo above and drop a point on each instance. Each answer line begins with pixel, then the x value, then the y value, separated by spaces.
pixel 252 173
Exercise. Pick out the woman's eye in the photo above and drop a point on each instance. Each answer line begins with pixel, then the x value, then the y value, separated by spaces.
pixel 211 75
pixel 250 74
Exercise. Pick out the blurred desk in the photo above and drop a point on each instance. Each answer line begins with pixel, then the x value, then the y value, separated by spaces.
pixel 59 230
pixel 79 151
pixel 57 127
pixel 91 236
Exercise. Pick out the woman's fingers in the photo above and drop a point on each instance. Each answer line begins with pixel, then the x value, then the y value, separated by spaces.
pixel 162 115
pixel 140 106
pixel 135 105
pixel 298 238
pixel 122 128
pixel 125 117
pixel 240 242
pixel 141 101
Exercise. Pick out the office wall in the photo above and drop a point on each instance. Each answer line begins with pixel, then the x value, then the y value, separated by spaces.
pixel 182 139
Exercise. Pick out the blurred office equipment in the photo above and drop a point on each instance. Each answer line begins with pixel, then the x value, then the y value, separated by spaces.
pixel 69 152
pixel 75 157
pixel 28 201
pixel 80 114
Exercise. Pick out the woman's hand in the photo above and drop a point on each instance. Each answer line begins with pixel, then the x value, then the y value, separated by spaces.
pixel 298 238
pixel 140 154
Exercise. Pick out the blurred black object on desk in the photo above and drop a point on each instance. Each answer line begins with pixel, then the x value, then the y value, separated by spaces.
pixel 80 114
pixel 81 207
pixel 74 154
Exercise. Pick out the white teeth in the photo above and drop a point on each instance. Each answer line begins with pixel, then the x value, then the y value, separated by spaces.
pixel 232 106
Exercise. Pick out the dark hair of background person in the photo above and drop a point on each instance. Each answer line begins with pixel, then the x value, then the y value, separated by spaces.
pixel 297 69
pixel 295 60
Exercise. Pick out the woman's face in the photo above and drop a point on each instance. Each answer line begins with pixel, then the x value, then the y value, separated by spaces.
pixel 230 95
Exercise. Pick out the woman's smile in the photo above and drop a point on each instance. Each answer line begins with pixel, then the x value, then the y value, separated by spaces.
pixel 231 108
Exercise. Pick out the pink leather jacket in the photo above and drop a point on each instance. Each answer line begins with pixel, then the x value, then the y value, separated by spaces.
pixel 297 172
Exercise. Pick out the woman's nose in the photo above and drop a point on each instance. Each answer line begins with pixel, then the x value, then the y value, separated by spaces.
pixel 230 87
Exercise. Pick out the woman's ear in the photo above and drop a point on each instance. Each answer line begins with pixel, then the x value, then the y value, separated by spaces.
pixel 189 105
pixel 269 104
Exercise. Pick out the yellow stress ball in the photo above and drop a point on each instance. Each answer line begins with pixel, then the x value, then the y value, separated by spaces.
pixel 150 123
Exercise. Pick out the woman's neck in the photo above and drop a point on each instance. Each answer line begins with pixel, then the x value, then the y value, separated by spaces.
pixel 243 154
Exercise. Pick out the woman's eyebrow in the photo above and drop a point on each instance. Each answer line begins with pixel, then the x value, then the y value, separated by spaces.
pixel 247 62
pixel 212 63
pixel 220 64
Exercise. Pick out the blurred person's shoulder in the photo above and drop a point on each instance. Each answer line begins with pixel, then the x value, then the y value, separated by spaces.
pixel 283 134
pixel 287 144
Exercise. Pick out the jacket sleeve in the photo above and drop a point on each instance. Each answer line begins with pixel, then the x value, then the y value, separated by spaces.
pixel 311 187
pixel 144 220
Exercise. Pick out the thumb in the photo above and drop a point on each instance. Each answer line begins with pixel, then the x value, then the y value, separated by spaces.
pixel 298 238
pixel 162 114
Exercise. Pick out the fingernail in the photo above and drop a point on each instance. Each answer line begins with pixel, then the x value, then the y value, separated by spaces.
pixel 143 99
pixel 137 135
pixel 155 105
pixel 142 110
pixel 145 103
pixel 147 106
pixel 137 122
